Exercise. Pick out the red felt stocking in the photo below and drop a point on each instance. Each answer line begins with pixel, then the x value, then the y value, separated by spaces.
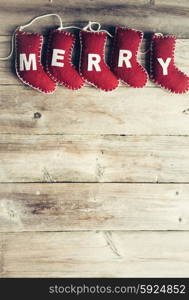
pixel 124 57
pixel 163 69
pixel 28 62
pixel 59 66
pixel 92 61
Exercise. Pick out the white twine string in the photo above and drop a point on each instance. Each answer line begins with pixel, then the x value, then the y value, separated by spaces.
pixel 49 15
pixel 145 52
pixel 61 27
pixel 90 24
pixel 26 25
pixel 41 17
pixel 159 33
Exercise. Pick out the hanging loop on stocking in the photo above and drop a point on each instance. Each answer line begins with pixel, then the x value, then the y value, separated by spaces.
pixel 21 27
pixel 90 25
pixel 148 50
pixel 41 17
pixel 61 27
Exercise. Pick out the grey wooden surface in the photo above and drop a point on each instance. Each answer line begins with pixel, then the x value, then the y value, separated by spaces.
pixel 98 184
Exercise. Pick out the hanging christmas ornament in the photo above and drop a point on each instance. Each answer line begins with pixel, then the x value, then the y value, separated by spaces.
pixel 28 62
pixel 124 57
pixel 28 49
pixel 59 59
pixel 93 67
pixel 162 65
pixel 28 58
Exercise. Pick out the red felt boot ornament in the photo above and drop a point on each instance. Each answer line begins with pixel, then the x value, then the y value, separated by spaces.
pixel 93 68
pixel 124 57
pixel 28 62
pixel 162 66
pixel 92 60
pixel 58 64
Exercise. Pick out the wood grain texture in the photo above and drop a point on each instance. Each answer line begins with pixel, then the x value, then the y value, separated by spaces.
pixel 94 159
pixel 80 229
pixel 173 3
pixel 90 111
pixel 142 14
pixel 96 254
pixel 59 207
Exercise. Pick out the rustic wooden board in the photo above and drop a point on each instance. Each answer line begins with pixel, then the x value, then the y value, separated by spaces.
pixel 90 111
pixel 94 158
pixel 172 3
pixel 94 149
pixel 142 14
pixel 95 254
pixel 59 207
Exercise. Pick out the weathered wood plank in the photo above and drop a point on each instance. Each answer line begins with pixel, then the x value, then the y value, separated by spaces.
pixel 59 207
pixel 71 11
pixel 90 111
pixel 8 76
pixel 86 158
pixel 96 254
pixel 173 3
pixel 141 14
pixel 1 253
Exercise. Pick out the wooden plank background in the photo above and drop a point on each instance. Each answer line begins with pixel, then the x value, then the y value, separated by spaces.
pixel 94 184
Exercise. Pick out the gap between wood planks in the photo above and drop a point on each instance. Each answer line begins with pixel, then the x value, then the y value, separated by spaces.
pixel 109 13
pixel 97 135
pixel 94 182
pixel 94 231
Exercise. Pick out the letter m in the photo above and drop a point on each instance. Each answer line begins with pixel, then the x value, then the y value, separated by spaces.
pixel 28 64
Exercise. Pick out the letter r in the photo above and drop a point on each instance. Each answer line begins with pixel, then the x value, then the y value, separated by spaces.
pixel 93 61
pixel 124 57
